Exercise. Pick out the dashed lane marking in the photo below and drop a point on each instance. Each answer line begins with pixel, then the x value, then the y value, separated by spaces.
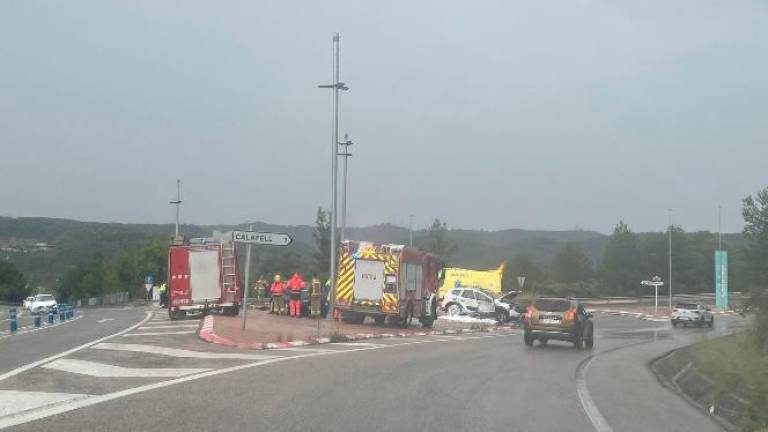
pixel 102 370
pixel 175 352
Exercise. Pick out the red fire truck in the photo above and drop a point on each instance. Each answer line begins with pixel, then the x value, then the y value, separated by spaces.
pixel 202 277
pixel 387 281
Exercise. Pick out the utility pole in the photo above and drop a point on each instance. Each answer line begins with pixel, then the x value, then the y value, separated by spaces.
pixel 247 278
pixel 669 213
pixel 346 154
pixel 410 231
pixel 177 203
pixel 336 86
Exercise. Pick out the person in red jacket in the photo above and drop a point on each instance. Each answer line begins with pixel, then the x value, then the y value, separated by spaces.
pixel 277 295
pixel 295 284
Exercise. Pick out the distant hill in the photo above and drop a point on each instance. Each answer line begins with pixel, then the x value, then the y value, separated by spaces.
pixel 43 248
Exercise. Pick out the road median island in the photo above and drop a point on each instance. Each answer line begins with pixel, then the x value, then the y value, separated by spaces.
pixel 723 377
pixel 267 331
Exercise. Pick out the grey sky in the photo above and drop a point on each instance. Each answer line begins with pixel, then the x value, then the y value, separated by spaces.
pixel 537 114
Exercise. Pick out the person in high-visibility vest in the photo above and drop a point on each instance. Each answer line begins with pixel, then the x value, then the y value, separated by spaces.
pixel 163 295
pixel 295 285
pixel 277 295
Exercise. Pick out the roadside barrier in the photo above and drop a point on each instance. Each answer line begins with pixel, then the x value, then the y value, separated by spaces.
pixel 62 314
pixel 70 312
pixel 14 323
pixel 50 316
pixel 36 314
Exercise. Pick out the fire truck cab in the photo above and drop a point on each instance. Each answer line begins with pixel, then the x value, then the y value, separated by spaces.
pixel 387 281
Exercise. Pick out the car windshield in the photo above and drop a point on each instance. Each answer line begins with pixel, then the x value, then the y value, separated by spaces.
pixel 45 297
pixel 552 305
pixel 686 306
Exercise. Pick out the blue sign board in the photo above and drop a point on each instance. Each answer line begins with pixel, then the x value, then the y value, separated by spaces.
pixel 721 279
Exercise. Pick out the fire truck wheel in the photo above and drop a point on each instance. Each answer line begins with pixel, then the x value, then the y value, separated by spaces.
pixel 379 319
pixel 176 314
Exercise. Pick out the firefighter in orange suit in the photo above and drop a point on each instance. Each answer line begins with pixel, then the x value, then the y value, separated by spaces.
pixel 277 295
pixel 295 285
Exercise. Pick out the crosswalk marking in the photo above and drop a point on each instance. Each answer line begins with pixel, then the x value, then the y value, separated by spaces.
pixel 160 333
pixel 154 327
pixel 102 370
pixel 175 352
pixel 13 402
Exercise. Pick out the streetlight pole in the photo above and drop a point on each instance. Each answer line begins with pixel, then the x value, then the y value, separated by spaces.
pixel 410 231
pixel 247 279
pixel 336 86
pixel 346 154
pixel 669 213
pixel 177 203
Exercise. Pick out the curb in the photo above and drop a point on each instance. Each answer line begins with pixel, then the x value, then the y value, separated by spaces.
pixel 208 334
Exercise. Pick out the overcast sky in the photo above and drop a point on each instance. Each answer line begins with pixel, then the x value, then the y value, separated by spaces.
pixel 536 114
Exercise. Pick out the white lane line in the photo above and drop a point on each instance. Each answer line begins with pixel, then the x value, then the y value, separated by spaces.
pixel 29 366
pixel 105 320
pixel 101 370
pixel 93 400
pixel 359 344
pixel 160 333
pixel 167 322
pixel 175 352
pixel 168 326
pixel 302 349
pixel 13 402
pixel 82 403
pixel 597 419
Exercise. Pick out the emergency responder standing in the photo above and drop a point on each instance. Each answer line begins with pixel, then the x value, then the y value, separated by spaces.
pixel 295 285
pixel 277 295
pixel 163 295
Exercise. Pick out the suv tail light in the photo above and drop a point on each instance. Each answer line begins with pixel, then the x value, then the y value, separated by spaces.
pixel 570 315
pixel 531 311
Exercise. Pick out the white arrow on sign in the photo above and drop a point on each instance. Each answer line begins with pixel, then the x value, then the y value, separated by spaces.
pixel 263 238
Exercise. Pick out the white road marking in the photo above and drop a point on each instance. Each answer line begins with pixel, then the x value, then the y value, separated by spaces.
pixel 160 333
pixel 102 370
pixel 29 366
pixel 93 400
pixel 358 344
pixel 302 349
pixel 597 419
pixel 105 320
pixel 175 352
pixel 13 402
pixel 168 326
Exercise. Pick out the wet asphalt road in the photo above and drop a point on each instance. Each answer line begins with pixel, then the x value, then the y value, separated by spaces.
pixel 447 383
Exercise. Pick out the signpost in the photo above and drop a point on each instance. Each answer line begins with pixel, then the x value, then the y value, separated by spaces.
pixel 721 279
pixel 149 280
pixel 263 238
pixel 655 282
pixel 250 238
pixel 520 282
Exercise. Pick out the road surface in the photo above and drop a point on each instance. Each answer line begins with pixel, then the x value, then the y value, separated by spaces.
pixel 158 376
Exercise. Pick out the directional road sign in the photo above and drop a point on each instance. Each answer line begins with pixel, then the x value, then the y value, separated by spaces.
pixel 263 238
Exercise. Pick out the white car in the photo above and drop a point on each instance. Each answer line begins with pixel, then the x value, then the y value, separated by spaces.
pixel 28 302
pixel 43 302
pixel 692 314
pixel 474 301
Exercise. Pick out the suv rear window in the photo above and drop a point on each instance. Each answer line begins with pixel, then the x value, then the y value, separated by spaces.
pixel 552 305
pixel 686 306
pixel 44 297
